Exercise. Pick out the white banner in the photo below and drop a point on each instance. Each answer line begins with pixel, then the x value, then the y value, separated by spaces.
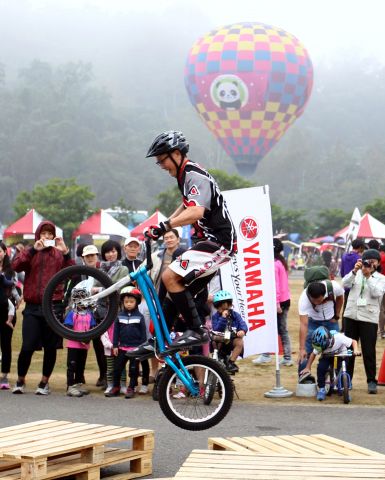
pixel 250 274
pixel 354 226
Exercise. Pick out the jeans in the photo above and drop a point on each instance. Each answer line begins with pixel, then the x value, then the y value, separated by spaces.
pixel 311 326
pixel 283 333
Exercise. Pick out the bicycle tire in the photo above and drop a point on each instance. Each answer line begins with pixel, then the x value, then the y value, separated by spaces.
pixel 345 388
pixel 50 306
pixel 210 389
pixel 191 413
pixel 329 382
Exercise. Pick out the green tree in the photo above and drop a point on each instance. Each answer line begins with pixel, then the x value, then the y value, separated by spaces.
pixel 62 201
pixel 290 221
pixel 377 209
pixel 169 200
pixel 330 220
pixel 124 212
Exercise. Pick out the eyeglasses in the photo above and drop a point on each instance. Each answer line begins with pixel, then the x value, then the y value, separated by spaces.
pixel 160 162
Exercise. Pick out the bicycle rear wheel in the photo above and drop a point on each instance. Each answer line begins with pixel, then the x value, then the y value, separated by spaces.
pixel 345 388
pixel 67 293
pixel 195 412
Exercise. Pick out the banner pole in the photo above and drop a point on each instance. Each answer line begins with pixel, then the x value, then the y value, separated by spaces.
pixel 278 391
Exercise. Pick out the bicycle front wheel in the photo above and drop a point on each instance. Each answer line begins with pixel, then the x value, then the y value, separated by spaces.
pixel 196 412
pixel 67 308
pixel 345 388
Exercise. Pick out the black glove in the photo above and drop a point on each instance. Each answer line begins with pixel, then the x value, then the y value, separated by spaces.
pixel 157 231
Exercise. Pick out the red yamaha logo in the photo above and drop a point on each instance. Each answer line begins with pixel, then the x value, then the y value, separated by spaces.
pixel 249 228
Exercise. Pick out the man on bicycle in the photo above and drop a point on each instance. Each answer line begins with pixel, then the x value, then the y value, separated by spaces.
pixel 203 207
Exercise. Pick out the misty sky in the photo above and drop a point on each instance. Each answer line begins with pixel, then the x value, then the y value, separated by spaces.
pixel 49 29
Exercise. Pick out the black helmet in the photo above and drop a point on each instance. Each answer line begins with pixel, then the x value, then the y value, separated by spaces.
pixel 167 142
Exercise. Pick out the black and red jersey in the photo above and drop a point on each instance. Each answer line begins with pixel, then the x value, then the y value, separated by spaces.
pixel 199 188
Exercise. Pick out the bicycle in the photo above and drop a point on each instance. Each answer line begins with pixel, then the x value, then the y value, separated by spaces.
pixel 193 371
pixel 337 379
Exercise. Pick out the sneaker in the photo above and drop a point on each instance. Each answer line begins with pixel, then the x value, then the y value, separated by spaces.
pixel 72 391
pixel 43 389
pixel 18 388
pixel 4 383
pixel 383 335
pixel 82 389
pixel 179 395
pixel 321 395
pixel 101 382
pixel 130 393
pixel 286 362
pixel 231 367
pixel 189 338
pixel 262 359
pixel 372 387
pixel 114 392
pixel 108 389
pixel 143 390
pixel 123 389
pixel 146 350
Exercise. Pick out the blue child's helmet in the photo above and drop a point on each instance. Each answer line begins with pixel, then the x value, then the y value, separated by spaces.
pixel 222 296
pixel 321 338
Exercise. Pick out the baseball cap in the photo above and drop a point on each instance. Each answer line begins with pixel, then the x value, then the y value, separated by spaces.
pixel 89 250
pixel 131 239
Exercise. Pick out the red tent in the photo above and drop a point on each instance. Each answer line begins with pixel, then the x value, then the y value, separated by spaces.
pixel 101 223
pixel 155 219
pixel 26 226
pixel 369 227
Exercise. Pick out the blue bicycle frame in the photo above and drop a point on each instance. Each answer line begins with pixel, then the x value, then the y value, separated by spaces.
pixel 161 331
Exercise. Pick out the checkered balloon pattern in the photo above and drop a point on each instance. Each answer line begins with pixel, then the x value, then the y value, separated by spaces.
pixel 248 82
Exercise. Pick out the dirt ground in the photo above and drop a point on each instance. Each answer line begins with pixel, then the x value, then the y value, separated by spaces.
pixel 251 382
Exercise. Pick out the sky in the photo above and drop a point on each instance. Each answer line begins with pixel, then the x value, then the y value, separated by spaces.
pixel 324 27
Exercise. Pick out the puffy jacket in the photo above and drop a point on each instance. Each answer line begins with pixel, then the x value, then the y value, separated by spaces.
pixel 129 329
pixel 39 267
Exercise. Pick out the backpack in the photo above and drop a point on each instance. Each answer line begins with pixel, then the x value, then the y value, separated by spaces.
pixel 320 273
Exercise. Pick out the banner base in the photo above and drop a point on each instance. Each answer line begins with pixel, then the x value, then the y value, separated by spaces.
pixel 278 392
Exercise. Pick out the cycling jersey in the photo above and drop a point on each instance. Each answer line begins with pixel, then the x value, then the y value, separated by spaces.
pixel 199 188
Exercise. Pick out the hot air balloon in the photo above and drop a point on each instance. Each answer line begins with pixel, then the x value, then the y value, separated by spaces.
pixel 248 82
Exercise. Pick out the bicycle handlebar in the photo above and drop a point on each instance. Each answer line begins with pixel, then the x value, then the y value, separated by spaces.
pixel 349 353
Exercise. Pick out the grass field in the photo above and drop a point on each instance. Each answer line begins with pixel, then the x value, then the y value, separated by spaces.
pixel 251 382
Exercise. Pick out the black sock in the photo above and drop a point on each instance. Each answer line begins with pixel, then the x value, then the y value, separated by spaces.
pixel 186 306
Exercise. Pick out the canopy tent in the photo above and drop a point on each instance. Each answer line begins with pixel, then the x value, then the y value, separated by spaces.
pixel 101 223
pixel 154 219
pixel 369 227
pixel 324 239
pixel 26 226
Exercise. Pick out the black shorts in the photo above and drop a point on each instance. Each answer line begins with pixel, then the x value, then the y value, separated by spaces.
pixel 37 334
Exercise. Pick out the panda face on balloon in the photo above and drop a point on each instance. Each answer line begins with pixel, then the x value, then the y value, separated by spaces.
pixel 229 92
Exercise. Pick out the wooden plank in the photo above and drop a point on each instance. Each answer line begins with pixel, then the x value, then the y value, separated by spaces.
pixel 350 446
pixel 68 442
pixel 247 465
pixel 140 464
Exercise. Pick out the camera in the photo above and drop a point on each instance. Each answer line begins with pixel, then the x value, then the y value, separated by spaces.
pixel 49 243
pixel 366 264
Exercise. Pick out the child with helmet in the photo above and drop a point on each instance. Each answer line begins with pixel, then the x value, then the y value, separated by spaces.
pixel 226 320
pixel 80 319
pixel 328 342
pixel 129 332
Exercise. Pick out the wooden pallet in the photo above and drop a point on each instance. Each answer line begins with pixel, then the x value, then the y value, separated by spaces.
pixel 246 465
pixel 303 445
pixel 55 449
